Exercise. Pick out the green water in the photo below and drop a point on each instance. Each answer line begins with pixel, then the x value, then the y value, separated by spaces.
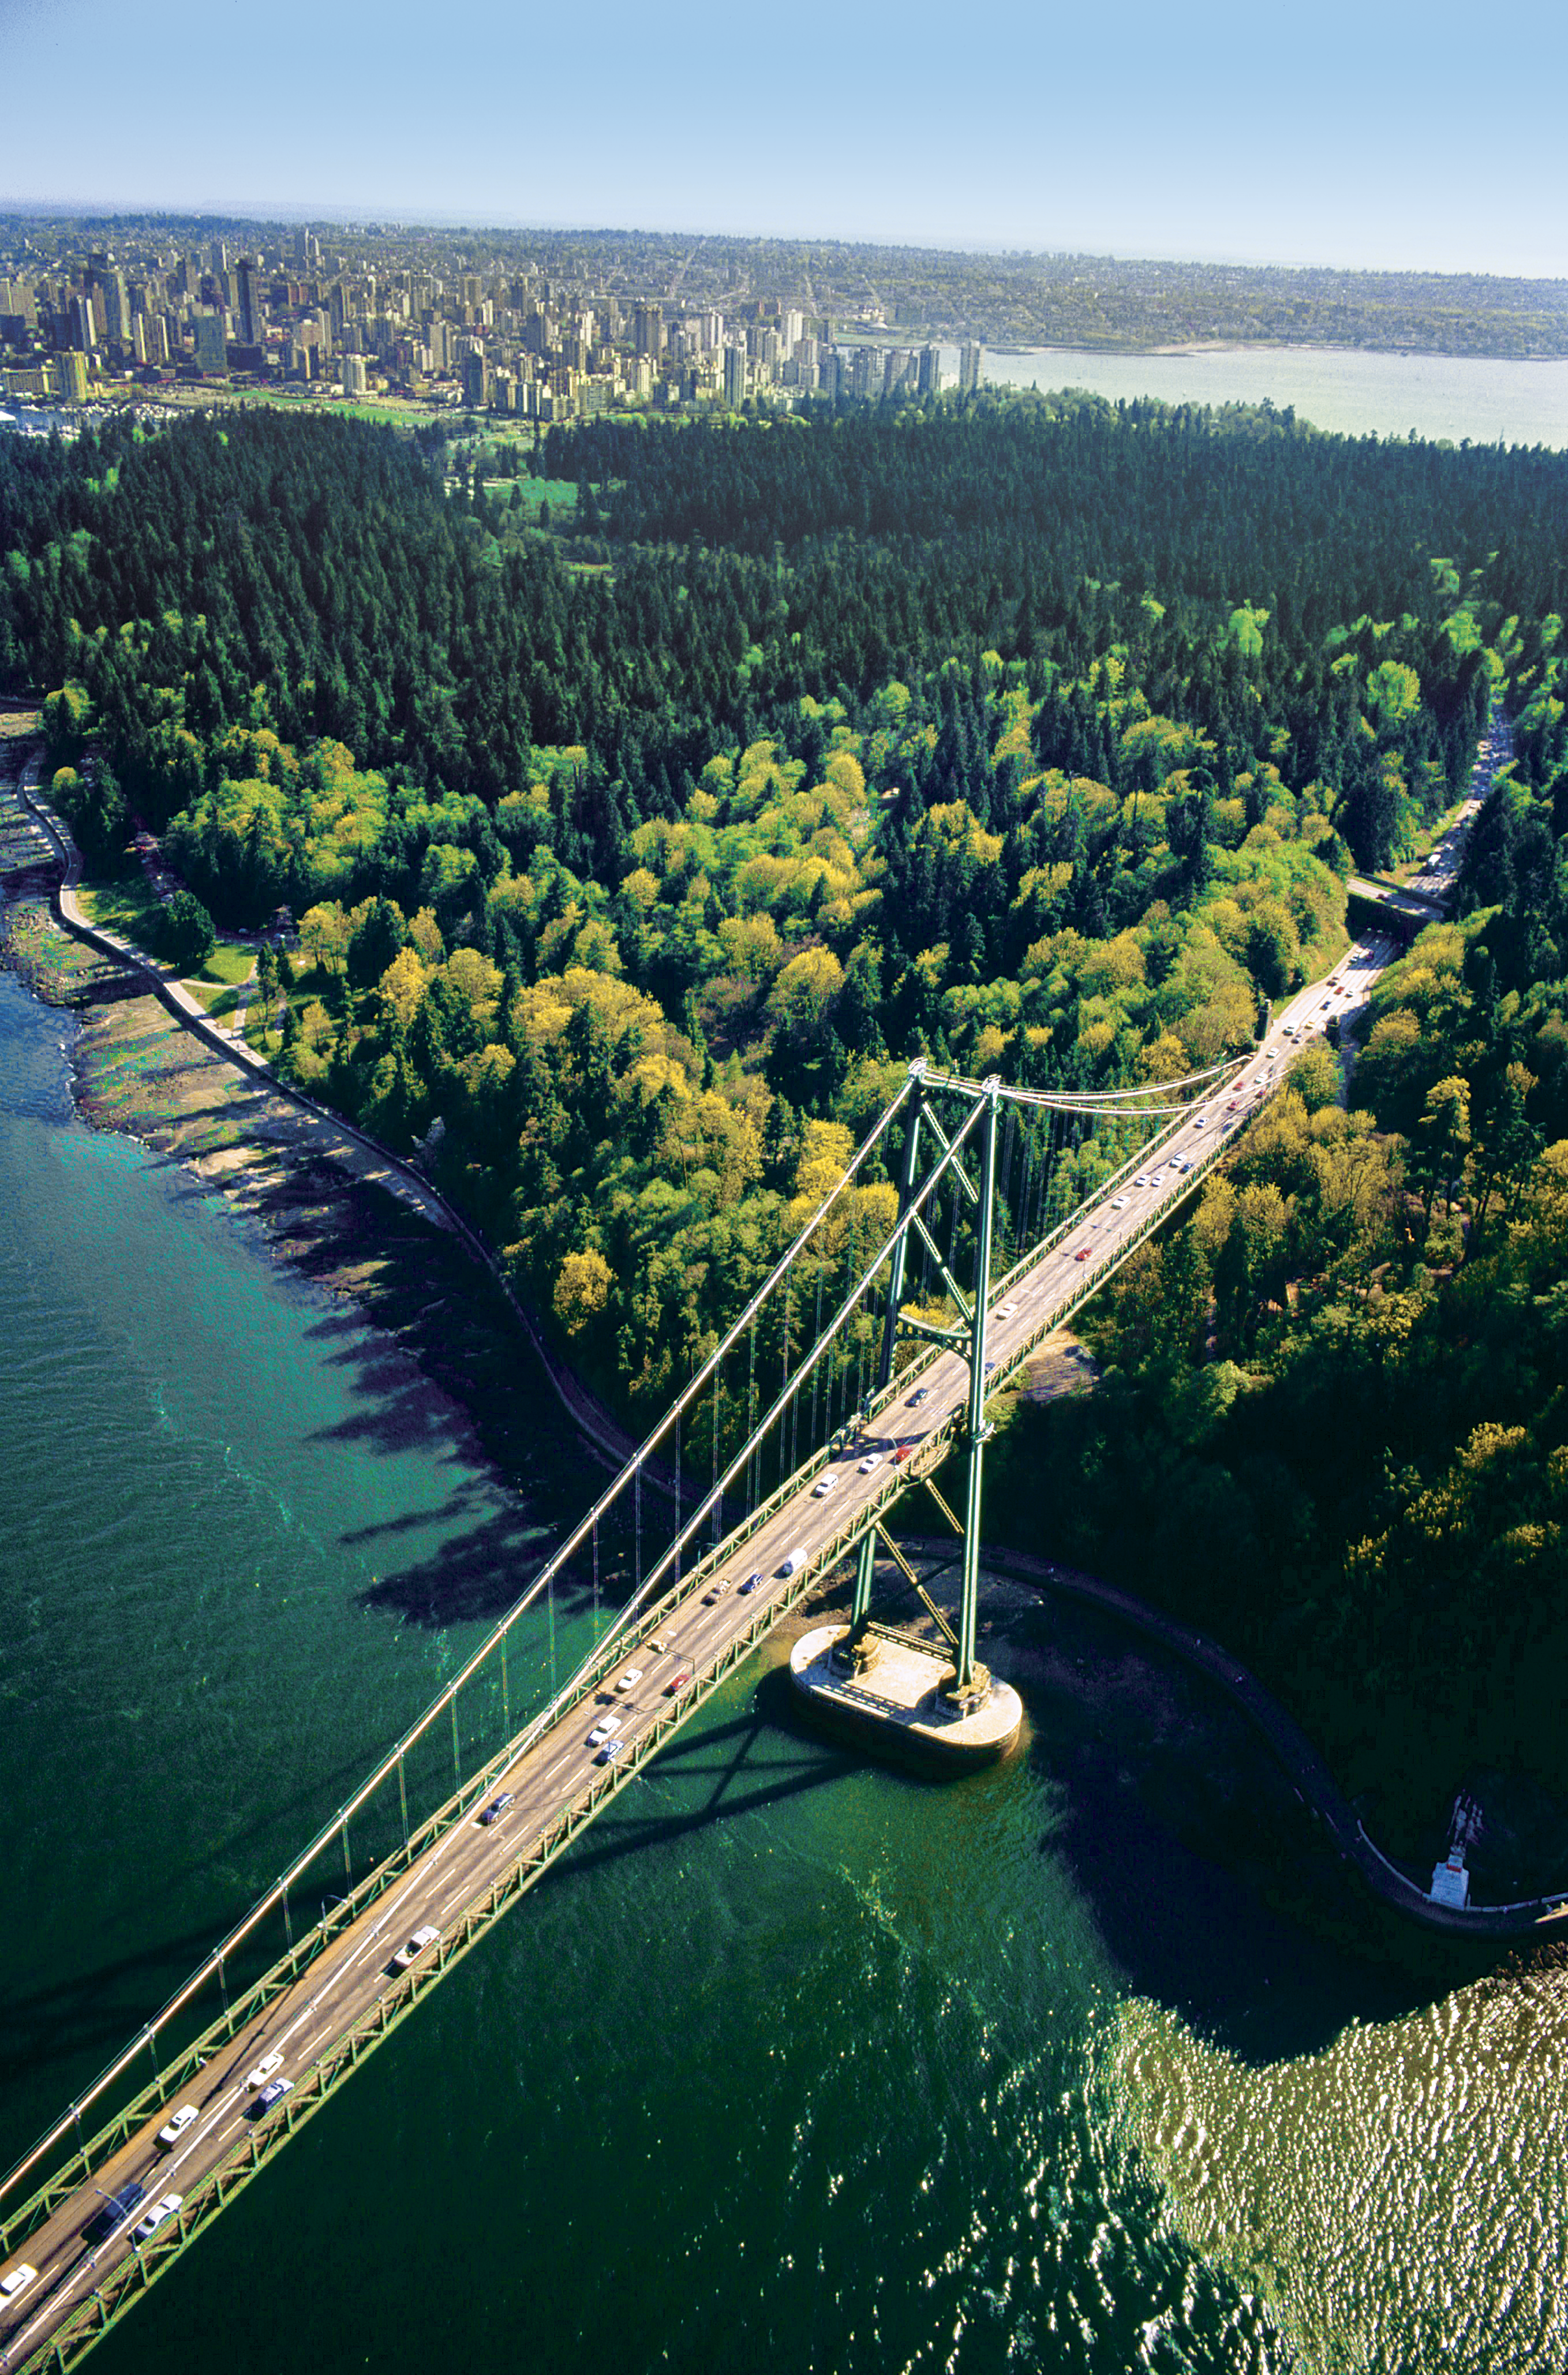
pixel 795 2064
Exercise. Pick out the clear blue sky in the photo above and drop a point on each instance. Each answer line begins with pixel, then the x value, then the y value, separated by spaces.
pixel 1377 134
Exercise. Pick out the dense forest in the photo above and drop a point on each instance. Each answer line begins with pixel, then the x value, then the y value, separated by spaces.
pixel 1348 1369
pixel 637 843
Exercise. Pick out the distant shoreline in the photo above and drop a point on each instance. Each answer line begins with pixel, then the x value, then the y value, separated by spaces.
pixel 1116 352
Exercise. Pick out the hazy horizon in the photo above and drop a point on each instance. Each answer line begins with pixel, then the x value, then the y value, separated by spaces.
pixel 264 214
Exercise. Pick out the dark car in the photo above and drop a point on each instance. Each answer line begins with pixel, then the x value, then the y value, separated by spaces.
pixel 116 2207
pixel 753 1580
pixel 496 1809
pixel 273 2093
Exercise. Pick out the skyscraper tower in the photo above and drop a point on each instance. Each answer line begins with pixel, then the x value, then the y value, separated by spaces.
pixel 250 304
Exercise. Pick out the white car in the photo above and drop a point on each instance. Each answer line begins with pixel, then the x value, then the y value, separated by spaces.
pixel 186 2116
pixel 1118 1203
pixel 1157 1180
pixel 1007 1310
pixel 605 1729
pixel 1200 1121
pixel 823 1486
pixel 630 1680
pixel 156 2217
pixel 264 2070
pixel 872 1460
pixel 415 1946
pixel 16 2282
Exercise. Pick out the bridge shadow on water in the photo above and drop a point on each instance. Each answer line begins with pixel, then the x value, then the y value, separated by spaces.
pixel 759 1758
pixel 1208 1884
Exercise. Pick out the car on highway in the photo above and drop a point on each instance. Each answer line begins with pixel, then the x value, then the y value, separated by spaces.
pixel 116 2207
pixel 630 1680
pixel 264 2070
pixel 164 2208
pixel 496 1809
pixel 918 1396
pixel 872 1460
pixel 1200 1121
pixel 1159 1178
pixel 177 2123
pixel 16 2282
pixel 678 1683
pixel 1082 1254
pixel 715 1591
pixel 605 1729
pixel 269 2096
pixel 751 1582
pixel 824 1485
pixel 423 1937
pixel 609 1752
pixel 1007 1310
pixel 1118 1203
pixel 796 1561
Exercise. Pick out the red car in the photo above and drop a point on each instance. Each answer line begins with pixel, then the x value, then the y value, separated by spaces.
pixel 1082 1254
pixel 678 1683
pixel 902 1454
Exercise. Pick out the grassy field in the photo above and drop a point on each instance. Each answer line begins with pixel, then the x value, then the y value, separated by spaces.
pixel 231 962
pixel 128 907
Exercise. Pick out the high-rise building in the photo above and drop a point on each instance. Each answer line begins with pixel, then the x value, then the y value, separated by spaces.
pixel 969 368
pixel 353 374
pixel 735 377
pixel 83 328
pixel 250 306
pixel 475 379
pixel 866 371
pixel 73 369
pixel 794 329
pixel 212 347
pixel 218 257
pixel 648 330
pixel 116 307
pixel 930 370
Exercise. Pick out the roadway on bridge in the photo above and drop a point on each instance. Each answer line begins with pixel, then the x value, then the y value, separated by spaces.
pixel 307 2023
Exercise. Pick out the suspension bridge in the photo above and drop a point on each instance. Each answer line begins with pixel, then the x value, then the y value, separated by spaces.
pixel 974 1220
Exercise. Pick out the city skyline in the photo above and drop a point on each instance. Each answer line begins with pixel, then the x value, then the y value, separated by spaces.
pixel 1196 137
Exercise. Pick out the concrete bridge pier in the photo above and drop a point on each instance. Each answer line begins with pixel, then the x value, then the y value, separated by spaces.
pixel 898 1699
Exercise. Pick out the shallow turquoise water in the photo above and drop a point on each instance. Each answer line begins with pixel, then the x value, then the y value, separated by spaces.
pixel 794 2064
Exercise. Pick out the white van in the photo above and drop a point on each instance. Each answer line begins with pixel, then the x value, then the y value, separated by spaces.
pixel 795 1562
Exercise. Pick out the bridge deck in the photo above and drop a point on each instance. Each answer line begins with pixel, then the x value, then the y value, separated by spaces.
pixel 329 2004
